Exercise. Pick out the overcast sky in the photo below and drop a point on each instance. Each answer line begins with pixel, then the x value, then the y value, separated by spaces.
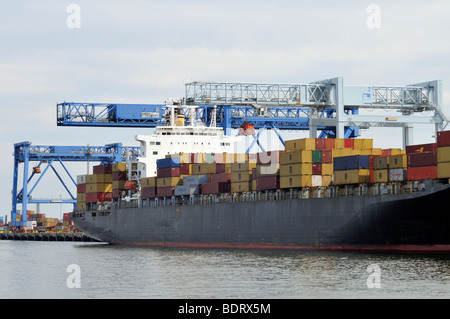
pixel 145 51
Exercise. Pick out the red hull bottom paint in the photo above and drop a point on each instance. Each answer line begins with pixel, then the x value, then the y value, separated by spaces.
pixel 386 248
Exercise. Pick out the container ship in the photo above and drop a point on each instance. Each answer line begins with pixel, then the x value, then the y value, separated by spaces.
pixel 190 189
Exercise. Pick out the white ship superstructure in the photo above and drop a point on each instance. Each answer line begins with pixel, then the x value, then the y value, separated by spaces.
pixel 177 138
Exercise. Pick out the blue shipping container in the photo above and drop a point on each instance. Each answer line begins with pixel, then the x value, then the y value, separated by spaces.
pixel 168 162
pixel 351 162
pixel 195 179
pixel 186 190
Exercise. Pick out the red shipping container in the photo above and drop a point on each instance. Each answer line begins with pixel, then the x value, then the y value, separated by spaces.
pixel 320 144
pixel 385 152
pixel 119 176
pixel 98 197
pixel 148 192
pixel 220 168
pixel 81 188
pixel 117 193
pixel 421 173
pixel 317 169
pixel 421 148
pixel 268 182
pixel 215 188
pixel 349 143
pixel 327 156
pixel 271 157
pixel 168 172
pixel 329 143
pixel 165 191
pixel 220 178
pixel 103 169
pixel 443 138
pixel 184 169
pixel 422 159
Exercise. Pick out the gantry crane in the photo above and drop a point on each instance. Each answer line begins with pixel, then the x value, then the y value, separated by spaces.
pixel 327 106
pixel 48 156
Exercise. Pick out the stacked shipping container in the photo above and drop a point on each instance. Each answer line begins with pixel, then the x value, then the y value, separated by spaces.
pixel 421 162
pixel 305 162
pixel 106 182
pixel 443 154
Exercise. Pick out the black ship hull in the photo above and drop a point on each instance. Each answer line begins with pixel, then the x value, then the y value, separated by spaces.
pixel 415 222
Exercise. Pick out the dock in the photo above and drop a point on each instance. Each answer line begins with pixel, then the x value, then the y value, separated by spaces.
pixel 79 237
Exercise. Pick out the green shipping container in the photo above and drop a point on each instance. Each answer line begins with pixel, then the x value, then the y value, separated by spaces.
pixel 317 157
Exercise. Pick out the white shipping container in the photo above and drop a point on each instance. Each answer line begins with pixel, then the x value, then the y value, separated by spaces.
pixel 31 224
pixel 397 175
pixel 317 181
pixel 81 179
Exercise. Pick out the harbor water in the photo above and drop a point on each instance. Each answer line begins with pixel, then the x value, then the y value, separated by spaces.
pixel 72 270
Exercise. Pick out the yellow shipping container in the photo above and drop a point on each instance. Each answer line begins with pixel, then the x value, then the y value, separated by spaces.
pixel 381 176
pixel 398 161
pixel 95 178
pixel 119 185
pixel 81 207
pixel 81 198
pixel 254 185
pixel 202 169
pixel 327 180
pixel 327 169
pixel 107 178
pixel 396 151
pixel 295 169
pixel 296 181
pixel 304 144
pixel 242 167
pixel 241 187
pixel 148 182
pixel 168 181
pixel 376 151
pixel 443 154
pixel 98 188
pixel 295 157
pixel 241 177
pixel 362 144
pixel 229 158
pixel 119 167
pixel 267 170
pixel 339 143
pixel 443 170
pixel 356 176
